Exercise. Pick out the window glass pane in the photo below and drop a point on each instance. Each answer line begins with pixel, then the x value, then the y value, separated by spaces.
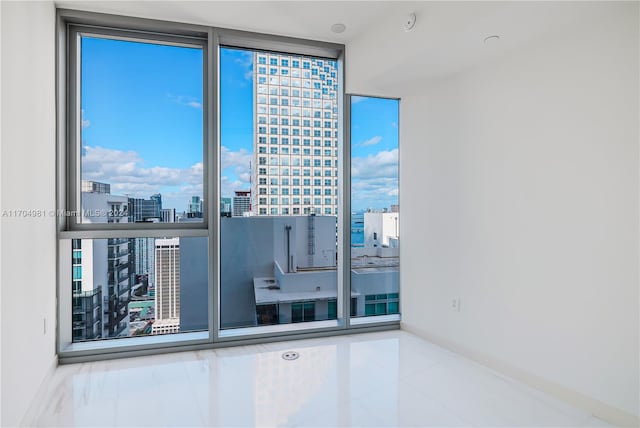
pixel 277 250
pixel 296 312
pixel 375 212
pixel 139 286
pixel 309 311
pixel 392 308
pixel 267 314
pixel 370 309
pixel 141 132
pixel 332 309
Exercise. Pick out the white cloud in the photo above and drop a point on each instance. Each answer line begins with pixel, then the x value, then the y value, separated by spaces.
pixel 374 192
pixel 185 100
pixel 126 173
pixel 371 141
pixel 375 179
pixel 181 196
pixel 246 61
pixel 229 186
pixel 382 164
pixel 235 159
pixel 85 122
pixel 236 170
pixel 381 187
pixel 355 99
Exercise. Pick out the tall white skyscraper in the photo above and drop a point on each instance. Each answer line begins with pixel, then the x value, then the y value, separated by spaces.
pixel 241 203
pixel 167 287
pixel 296 135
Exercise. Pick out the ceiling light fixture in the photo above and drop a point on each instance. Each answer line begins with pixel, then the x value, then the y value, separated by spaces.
pixel 491 39
pixel 338 28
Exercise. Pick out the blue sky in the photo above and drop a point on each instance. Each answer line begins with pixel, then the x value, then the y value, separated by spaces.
pixel 142 125
pixel 374 152
pixel 142 118
pixel 236 119
pixel 374 136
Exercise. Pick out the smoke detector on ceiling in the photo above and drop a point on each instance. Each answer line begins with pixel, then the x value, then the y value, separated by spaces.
pixel 410 22
pixel 338 28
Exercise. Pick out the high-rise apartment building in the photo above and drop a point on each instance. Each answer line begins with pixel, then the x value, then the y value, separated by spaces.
pixel 168 215
pixel 167 287
pixel 241 203
pixel 103 269
pixel 195 207
pixel 225 207
pixel 87 298
pixel 296 135
pixel 89 186
pixel 143 258
pixel 145 210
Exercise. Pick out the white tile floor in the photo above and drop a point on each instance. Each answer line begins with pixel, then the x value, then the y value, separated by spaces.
pixel 377 379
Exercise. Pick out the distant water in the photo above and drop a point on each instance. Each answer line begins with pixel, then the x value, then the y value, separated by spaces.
pixel 357 229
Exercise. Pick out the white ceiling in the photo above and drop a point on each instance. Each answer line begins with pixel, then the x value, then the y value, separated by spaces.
pixel 448 38
pixel 381 57
pixel 305 19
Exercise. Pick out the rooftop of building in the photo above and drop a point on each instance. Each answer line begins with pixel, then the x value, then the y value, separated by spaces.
pixel 268 291
pixel 166 322
pixel 367 263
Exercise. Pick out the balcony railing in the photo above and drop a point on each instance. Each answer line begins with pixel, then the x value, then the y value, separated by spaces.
pixel 118 241
pixel 119 317
pixel 116 255
pixel 89 293
pixel 121 266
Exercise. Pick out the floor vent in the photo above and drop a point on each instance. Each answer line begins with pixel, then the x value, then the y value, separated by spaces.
pixel 290 355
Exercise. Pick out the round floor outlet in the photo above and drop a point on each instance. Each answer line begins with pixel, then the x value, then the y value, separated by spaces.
pixel 290 355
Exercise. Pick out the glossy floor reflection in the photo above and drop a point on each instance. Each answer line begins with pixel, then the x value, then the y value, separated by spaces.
pixel 376 379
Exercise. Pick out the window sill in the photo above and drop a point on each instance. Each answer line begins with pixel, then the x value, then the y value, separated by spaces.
pixel 131 343
pixel 374 319
pixel 279 329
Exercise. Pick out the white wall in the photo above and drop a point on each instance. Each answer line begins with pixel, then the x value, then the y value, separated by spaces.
pixel 519 188
pixel 27 167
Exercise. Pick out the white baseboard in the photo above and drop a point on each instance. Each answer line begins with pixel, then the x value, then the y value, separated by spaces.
pixel 595 407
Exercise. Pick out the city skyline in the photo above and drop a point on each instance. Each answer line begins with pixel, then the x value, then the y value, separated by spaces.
pixel 142 122
pixel 130 130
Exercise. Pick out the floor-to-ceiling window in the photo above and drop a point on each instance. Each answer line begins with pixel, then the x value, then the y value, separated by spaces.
pixel 279 186
pixel 375 208
pixel 135 247
pixel 204 184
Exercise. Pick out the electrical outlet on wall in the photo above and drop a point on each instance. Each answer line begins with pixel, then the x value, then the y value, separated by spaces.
pixel 455 304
